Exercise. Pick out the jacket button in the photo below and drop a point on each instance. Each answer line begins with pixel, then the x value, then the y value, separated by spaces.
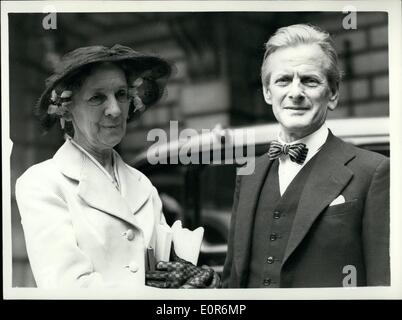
pixel 267 282
pixel 270 260
pixel 129 234
pixel 273 236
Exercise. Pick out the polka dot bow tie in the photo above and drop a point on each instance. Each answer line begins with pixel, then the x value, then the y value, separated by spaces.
pixel 297 152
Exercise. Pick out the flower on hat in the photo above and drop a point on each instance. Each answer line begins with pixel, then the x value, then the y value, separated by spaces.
pixel 134 94
pixel 66 94
pixel 58 103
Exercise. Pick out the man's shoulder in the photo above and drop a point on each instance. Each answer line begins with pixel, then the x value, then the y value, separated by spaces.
pixel 262 159
pixel 361 156
pixel 253 168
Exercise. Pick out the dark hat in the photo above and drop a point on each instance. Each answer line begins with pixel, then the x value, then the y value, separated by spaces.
pixel 152 69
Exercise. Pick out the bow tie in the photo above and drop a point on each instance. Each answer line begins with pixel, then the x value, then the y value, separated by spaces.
pixel 297 152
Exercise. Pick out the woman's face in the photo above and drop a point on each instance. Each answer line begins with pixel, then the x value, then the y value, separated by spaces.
pixel 100 109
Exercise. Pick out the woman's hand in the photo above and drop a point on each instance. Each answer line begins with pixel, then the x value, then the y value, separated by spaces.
pixel 197 281
pixel 180 273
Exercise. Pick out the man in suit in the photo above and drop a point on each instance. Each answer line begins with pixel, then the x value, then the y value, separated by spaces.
pixel 315 212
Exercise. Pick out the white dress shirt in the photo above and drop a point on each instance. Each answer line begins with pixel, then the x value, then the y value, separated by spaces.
pixel 289 169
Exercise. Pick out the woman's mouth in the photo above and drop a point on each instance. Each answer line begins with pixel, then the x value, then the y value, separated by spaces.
pixel 111 126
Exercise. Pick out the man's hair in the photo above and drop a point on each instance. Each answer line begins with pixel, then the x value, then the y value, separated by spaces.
pixel 298 34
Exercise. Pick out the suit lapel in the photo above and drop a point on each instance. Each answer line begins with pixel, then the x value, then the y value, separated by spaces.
pixel 248 199
pixel 328 178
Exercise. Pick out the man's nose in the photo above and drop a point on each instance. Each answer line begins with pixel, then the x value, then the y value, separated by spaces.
pixel 113 108
pixel 296 91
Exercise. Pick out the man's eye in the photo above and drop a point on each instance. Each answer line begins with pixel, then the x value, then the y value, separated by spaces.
pixel 282 81
pixel 96 100
pixel 122 95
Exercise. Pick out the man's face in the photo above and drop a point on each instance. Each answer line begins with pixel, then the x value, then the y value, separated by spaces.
pixel 298 89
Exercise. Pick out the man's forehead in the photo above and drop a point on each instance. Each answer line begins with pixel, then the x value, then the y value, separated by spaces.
pixel 300 69
pixel 306 58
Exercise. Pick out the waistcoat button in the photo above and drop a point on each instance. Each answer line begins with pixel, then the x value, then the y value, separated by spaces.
pixel 277 215
pixel 270 260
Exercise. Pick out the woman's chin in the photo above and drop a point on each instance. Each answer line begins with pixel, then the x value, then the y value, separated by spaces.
pixel 111 142
pixel 112 138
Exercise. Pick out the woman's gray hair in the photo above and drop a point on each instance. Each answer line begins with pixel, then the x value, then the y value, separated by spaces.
pixel 298 34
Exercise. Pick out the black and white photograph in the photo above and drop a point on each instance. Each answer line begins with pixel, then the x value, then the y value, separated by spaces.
pixel 201 149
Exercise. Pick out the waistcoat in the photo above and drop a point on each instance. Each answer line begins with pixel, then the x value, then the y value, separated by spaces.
pixel 272 225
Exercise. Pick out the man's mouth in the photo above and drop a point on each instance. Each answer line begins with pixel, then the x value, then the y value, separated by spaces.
pixel 297 108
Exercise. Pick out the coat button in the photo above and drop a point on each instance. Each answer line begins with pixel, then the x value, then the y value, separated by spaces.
pixel 133 267
pixel 273 236
pixel 270 260
pixel 267 282
pixel 129 234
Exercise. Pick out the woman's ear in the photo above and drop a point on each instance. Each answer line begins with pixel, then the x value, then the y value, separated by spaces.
pixel 67 116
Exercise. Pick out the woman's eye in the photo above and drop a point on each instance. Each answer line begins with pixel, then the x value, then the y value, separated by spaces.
pixel 96 100
pixel 122 95
pixel 311 82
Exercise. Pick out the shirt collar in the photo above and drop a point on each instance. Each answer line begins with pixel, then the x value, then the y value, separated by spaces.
pixel 116 182
pixel 313 141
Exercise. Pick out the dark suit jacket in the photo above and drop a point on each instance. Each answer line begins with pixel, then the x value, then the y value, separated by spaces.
pixel 324 239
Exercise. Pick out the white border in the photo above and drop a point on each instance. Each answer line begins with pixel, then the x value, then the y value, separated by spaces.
pixel 393 8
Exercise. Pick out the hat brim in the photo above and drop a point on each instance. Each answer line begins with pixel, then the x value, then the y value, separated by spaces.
pixel 157 71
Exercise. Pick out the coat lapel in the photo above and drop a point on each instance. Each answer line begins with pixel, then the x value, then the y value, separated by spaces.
pixel 95 188
pixel 248 199
pixel 137 192
pixel 328 178
pixel 135 187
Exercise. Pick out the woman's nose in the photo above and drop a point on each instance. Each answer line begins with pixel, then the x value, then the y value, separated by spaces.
pixel 296 91
pixel 113 108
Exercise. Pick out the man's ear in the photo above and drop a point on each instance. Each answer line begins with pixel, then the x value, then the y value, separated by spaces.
pixel 267 94
pixel 334 98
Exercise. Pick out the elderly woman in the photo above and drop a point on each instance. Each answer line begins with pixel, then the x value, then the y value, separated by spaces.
pixel 87 216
